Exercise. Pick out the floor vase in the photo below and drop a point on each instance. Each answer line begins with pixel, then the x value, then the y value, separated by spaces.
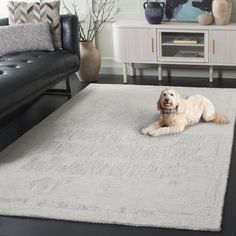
pixel 90 62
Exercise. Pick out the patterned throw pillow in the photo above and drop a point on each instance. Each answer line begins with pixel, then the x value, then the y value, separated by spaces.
pixel 32 12
pixel 25 37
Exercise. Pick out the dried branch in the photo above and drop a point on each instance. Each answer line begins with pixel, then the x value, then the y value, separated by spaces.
pixel 101 12
pixel 110 5
pixel 67 9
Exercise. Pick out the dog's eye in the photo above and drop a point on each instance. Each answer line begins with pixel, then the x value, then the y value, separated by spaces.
pixel 164 94
pixel 172 95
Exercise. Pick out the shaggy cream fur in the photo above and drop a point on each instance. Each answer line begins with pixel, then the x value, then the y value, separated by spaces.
pixel 176 113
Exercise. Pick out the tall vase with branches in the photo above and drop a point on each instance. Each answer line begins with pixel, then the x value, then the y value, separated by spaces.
pixel 100 12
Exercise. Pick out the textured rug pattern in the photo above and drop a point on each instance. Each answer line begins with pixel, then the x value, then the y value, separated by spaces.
pixel 88 162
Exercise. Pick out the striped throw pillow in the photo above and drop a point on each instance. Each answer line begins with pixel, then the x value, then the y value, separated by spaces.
pixel 34 12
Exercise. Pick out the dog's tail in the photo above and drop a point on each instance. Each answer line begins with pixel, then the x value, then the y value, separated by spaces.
pixel 220 119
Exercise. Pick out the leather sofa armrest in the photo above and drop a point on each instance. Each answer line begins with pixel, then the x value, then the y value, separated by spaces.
pixel 3 21
pixel 70 38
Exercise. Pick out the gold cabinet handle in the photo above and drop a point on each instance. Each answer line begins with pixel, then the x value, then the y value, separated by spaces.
pixel 152 44
pixel 214 46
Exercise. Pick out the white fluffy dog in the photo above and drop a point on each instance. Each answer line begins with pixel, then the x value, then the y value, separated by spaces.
pixel 176 113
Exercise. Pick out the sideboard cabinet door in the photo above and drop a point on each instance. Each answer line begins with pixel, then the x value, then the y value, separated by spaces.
pixel 223 47
pixel 137 45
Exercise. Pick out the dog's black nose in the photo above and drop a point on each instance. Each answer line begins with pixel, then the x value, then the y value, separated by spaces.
pixel 166 99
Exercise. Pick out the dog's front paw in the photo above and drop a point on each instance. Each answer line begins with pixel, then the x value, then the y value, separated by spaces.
pixel 144 131
pixel 153 133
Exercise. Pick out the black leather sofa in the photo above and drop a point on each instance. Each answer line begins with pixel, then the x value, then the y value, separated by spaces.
pixel 26 75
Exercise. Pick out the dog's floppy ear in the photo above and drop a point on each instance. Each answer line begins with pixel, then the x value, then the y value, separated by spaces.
pixel 180 104
pixel 159 103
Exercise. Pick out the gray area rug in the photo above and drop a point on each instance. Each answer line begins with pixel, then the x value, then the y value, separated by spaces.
pixel 88 162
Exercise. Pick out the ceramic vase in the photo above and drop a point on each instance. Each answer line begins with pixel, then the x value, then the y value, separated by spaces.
pixel 205 19
pixel 154 11
pixel 222 10
pixel 90 62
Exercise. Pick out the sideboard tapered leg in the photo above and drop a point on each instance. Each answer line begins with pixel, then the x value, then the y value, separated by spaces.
pixel 159 72
pixel 211 74
pixel 125 76
pixel 132 70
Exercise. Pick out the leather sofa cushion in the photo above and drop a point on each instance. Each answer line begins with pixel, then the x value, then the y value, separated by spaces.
pixel 24 73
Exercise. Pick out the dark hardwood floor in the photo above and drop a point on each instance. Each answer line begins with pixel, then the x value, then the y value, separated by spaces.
pixel 17 124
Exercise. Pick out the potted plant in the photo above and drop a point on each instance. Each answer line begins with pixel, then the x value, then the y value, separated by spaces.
pixel 100 13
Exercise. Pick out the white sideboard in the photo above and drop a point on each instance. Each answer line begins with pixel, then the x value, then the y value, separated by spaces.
pixel 177 43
